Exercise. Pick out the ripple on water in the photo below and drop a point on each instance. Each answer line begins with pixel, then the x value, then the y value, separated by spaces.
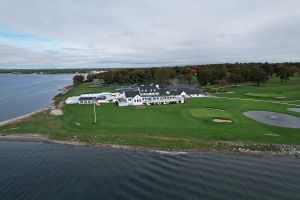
pixel 47 171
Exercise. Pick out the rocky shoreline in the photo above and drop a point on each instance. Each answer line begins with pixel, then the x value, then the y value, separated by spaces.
pixel 255 149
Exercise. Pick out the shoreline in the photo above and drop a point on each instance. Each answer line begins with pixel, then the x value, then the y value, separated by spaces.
pixel 16 119
pixel 62 91
pixel 44 139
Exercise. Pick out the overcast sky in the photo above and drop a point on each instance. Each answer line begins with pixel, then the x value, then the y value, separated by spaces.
pixel 115 33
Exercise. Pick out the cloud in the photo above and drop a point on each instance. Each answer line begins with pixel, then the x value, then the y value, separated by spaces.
pixel 68 33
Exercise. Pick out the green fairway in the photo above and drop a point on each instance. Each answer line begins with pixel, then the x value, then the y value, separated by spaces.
pixel 187 125
pixel 251 94
pixel 273 90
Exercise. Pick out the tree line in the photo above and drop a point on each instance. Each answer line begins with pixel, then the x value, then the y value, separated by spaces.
pixel 237 73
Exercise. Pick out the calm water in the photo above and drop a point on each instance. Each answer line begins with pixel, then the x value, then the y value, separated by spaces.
pixel 23 94
pixel 51 171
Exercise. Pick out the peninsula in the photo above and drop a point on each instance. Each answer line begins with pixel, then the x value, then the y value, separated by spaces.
pixel 214 121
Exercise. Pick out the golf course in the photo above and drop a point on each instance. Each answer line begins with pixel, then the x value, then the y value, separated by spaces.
pixel 197 123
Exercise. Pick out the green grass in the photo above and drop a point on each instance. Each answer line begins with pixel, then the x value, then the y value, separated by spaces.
pixel 186 125
pixel 273 90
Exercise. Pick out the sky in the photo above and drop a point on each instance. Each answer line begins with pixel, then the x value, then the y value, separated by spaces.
pixel 143 33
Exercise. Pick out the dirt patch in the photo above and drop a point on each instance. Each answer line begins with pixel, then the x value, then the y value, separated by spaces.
pixel 56 112
pixel 222 120
pixel 280 97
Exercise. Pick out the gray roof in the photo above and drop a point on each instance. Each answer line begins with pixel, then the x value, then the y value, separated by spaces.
pixel 148 88
pixel 91 98
pixel 131 93
pixel 86 98
pixel 164 92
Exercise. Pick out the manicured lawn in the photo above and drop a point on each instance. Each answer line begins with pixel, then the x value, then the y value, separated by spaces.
pixel 186 125
pixel 272 90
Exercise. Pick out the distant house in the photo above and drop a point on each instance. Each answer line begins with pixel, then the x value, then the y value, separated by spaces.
pixel 97 83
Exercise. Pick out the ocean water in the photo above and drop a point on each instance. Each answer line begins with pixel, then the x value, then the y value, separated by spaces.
pixel 34 171
pixel 23 94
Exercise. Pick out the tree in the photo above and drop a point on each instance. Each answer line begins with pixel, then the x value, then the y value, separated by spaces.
pixel 108 77
pixel 268 68
pixel 188 74
pixel 162 75
pixel 258 75
pixel 78 79
pixel 284 73
pixel 204 76
pixel 235 78
pixel 91 76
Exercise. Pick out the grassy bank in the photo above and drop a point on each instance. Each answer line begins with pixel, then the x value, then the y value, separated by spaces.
pixel 186 125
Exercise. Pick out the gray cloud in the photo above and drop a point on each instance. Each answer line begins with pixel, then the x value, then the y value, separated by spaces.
pixel 149 33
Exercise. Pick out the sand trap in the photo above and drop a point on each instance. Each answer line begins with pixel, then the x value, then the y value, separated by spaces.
pixel 271 134
pixel 294 109
pixel 280 97
pixel 139 107
pixel 56 112
pixel 275 119
pixel 222 120
pixel 218 109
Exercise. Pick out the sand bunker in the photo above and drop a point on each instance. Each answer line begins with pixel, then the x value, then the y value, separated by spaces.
pixel 279 97
pixel 218 109
pixel 294 109
pixel 222 120
pixel 139 107
pixel 275 119
pixel 56 112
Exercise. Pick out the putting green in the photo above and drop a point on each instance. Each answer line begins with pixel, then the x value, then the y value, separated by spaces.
pixel 260 94
pixel 208 113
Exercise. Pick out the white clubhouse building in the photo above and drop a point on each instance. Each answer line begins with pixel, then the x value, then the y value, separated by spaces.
pixel 142 95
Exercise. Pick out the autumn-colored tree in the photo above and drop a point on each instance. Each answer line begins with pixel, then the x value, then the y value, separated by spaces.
pixel 162 75
pixel 258 75
pixel 188 73
pixel 235 78
pixel 284 73
pixel 78 79
pixel 204 76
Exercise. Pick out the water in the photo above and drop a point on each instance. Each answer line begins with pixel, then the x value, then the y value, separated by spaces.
pixel 23 94
pixel 37 171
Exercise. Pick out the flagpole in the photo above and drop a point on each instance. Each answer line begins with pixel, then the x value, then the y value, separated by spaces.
pixel 95 111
